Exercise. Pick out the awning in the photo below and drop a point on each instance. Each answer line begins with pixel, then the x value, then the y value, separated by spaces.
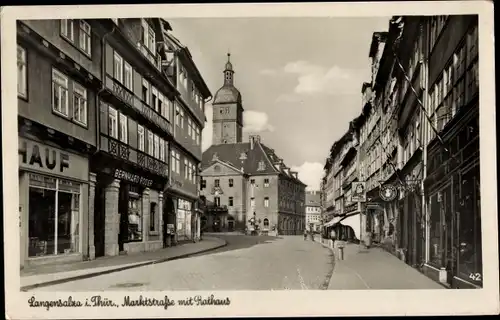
pixel 335 220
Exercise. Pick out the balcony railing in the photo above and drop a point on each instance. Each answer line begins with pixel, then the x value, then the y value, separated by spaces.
pixel 152 164
pixel 118 149
pixel 137 104
pixel 216 208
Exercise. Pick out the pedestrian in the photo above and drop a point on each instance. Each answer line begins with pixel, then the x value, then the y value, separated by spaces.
pixel 305 234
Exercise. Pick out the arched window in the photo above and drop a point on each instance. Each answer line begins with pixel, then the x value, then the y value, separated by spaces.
pixel 266 223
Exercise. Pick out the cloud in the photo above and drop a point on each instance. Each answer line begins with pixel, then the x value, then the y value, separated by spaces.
pixel 256 121
pixel 313 79
pixel 310 173
pixel 206 134
pixel 268 72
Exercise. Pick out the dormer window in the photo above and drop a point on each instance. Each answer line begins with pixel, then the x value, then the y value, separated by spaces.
pixel 148 36
pixel 262 166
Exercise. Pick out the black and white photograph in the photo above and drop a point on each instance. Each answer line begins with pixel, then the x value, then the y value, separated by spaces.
pixel 207 160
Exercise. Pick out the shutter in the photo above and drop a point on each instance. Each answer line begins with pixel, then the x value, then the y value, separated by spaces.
pixel 103 117
pixel 137 83
pixel 109 59
pixel 132 133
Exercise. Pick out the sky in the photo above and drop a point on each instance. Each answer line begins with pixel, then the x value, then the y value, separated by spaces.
pixel 300 78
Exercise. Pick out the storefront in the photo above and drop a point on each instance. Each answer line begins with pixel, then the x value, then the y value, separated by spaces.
pixel 53 204
pixel 127 208
pixel 184 219
pixel 453 199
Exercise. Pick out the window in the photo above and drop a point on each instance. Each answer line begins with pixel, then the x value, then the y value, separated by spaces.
pixel 198 136
pixel 118 67
pixel 79 104
pixel 266 202
pixel 123 128
pixel 135 225
pixel 266 182
pixel 217 201
pixel 60 93
pixel 140 137
pixel 128 76
pixel 154 99
pixel 175 159
pixel 190 128
pixel 216 182
pixel 67 29
pixel 472 45
pixel 252 181
pixel 231 183
pixel 230 201
pixel 113 122
pixel 185 169
pixel 177 115
pixel 161 104
pixel 252 202
pixel 162 150
pixel 148 36
pixel 181 118
pixel 156 141
pixel 85 37
pixel 203 184
pixel 146 87
pixel 54 216
pixel 153 217
pixel 150 143
pixel 167 107
pixel 22 73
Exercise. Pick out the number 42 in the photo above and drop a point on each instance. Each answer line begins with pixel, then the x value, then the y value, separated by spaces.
pixel 475 276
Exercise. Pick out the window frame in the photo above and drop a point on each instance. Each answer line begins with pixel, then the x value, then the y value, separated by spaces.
pixel 123 128
pixel 117 62
pixel 128 84
pixel 23 72
pixel 230 202
pixel 85 37
pixel 231 182
pixel 140 138
pixel 150 138
pixel 80 93
pixel 63 31
pixel 266 202
pixel 65 86
pixel 113 127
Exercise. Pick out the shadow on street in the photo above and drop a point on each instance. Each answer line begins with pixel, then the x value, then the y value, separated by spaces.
pixel 236 242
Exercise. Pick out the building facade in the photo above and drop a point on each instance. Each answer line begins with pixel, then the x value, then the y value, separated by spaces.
pixel 245 184
pixel 58 83
pixel 96 150
pixel 313 211
pixel 418 148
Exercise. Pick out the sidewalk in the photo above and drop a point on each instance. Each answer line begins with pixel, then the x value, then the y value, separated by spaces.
pixel 375 268
pixel 54 274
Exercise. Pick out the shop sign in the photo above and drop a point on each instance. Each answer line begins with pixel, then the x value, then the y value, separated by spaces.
pixel 41 157
pixel 132 177
pixel 358 191
pixel 170 228
pixel 176 183
pixel 388 192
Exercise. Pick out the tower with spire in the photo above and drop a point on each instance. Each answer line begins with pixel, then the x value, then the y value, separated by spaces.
pixel 227 110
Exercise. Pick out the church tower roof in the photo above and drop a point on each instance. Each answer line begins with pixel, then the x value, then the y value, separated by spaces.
pixel 228 92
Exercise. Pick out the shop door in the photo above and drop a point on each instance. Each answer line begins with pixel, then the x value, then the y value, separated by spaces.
pixel 99 220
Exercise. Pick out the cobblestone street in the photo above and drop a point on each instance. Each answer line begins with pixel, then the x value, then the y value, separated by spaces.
pixel 246 263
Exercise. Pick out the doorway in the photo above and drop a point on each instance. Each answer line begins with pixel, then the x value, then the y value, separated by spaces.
pixel 230 224
pixel 99 220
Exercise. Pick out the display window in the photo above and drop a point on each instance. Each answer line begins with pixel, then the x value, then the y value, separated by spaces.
pixel 135 229
pixel 54 216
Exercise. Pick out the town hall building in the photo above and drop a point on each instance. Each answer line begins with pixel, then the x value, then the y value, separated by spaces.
pixel 245 184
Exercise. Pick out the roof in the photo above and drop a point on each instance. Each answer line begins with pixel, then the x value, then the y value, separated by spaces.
pixel 313 199
pixel 240 155
pixel 227 94
pixel 377 38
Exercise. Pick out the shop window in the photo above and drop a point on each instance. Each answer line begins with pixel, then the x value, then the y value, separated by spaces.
pixel 54 216
pixel 230 201
pixel 134 217
pixel 153 216
pixel 470 250
pixel 231 183
pixel 22 73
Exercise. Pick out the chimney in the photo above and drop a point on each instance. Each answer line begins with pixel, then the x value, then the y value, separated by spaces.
pixel 253 140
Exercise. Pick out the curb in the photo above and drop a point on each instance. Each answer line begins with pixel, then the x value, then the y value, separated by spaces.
pixel 326 283
pixel 100 273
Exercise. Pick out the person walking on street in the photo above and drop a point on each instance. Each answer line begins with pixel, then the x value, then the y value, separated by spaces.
pixel 305 234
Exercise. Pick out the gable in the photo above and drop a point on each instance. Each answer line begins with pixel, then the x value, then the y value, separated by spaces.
pixel 219 168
